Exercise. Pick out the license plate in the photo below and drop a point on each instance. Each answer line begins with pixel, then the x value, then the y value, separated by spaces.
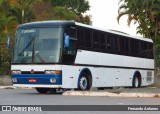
pixel 32 80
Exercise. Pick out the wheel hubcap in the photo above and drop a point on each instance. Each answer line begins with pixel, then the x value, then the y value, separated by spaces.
pixel 83 83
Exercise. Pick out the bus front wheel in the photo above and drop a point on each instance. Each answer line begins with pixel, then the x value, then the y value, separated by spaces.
pixel 42 90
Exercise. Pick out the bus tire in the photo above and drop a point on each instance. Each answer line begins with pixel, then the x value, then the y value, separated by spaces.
pixel 83 83
pixel 42 90
pixel 136 83
pixel 53 90
pixel 100 88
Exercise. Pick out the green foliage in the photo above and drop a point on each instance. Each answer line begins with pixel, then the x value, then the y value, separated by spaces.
pixel 144 12
pixel 74 10
pixel 42 10
pixel 61 13
pixel 21 9
pixel 77 6
pixel 5 58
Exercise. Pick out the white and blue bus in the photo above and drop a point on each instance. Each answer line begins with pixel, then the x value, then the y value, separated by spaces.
pixel 69 55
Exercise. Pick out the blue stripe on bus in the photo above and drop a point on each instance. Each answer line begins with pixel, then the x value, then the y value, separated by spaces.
pixel 40 78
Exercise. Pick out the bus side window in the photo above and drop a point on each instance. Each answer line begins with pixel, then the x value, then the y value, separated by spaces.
pixel 88 38
pixel 132 47
pixel 103 41
pixel 69 52
pixel 113 43
pixel 144 49
pixel 136 47
pixel 80 36
pixel 96 39
pixel 121 45
pixel 149 50
pixel 71 32
pixel 126 45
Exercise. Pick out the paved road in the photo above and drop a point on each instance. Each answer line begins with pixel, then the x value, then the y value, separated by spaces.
pixel 31 97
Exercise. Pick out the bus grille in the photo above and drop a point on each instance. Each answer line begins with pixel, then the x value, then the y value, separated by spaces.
pixel 149 76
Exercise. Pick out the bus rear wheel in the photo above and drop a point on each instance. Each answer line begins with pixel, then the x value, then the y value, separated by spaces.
pixel 83 83
pixel 136 82
pixel 42 90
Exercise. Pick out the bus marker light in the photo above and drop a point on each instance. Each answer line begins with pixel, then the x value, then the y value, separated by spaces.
pixel 49 72
pixel 57 72
pixel 52 72
pixel 16 71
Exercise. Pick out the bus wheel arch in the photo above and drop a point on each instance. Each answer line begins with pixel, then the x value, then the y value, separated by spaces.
pixel 85 75
pixel 137 80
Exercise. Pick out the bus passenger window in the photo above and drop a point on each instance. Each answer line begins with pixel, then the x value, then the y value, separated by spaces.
pixel 69 52
pixel 88 38
pixel 113 43
pixel 103 41
pixel 80 36
pixel 96 39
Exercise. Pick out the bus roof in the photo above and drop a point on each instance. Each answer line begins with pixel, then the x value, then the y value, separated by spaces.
pixel 72 22
pixel 47 23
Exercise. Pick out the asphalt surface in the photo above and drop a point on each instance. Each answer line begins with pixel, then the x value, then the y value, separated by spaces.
pixel 28 96
pixel 115 92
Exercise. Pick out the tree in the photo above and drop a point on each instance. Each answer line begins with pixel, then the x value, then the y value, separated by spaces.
pixel 21 10
pixel 144 12
pixel 64 14
pixel 5 58
pixel 78 6
pixel 75 8
pixel 7 22
pixel 42 10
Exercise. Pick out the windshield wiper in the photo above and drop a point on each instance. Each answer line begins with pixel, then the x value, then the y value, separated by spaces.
pixel 27 46
pixel 25 57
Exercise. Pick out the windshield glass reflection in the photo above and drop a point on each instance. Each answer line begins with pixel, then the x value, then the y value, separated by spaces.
pixel 40 45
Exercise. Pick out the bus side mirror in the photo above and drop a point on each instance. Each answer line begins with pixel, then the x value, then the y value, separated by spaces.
pixel 66 40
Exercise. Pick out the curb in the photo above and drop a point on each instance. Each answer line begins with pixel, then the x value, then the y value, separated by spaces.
pixel 7 87
pixel 12 87
pixel 108 94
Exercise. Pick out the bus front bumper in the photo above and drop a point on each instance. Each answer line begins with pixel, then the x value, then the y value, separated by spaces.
pixel 36 86
pixel 37 80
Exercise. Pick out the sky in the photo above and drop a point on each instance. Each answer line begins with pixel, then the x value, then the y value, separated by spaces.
pixel 104 13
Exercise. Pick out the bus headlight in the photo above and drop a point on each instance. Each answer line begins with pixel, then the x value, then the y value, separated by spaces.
pixel 14 79
pixel 49 72
pixel 53 80
pixel 52 72
pixel 16 71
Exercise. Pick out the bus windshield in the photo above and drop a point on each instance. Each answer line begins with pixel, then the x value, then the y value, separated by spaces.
pixel 37 45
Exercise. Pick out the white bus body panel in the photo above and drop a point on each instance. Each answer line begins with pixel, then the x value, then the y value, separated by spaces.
pixel 108 70
pixel 36 67
pixel 120 69
pixel 106 59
